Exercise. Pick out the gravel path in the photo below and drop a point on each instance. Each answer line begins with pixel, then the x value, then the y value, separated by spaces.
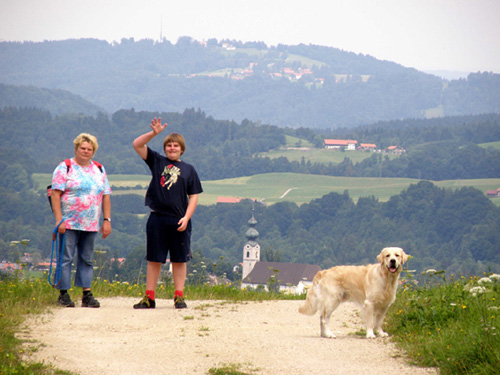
pixel 266 337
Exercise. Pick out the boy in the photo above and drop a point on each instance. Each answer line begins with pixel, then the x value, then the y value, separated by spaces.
pixel 172 196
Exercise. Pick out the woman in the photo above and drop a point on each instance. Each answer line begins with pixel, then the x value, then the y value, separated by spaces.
pixel 79 191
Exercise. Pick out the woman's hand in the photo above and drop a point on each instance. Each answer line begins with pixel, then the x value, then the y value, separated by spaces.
pixel 106 229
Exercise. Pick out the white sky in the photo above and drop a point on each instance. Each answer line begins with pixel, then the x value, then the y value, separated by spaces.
pixel 454 35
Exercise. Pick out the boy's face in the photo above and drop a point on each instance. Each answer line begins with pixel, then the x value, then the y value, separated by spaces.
pixel 173 151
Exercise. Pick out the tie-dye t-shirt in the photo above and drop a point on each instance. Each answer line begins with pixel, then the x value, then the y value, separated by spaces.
pixel 83 188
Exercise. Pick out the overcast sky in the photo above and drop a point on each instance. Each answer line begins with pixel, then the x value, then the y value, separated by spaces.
pixel 454 35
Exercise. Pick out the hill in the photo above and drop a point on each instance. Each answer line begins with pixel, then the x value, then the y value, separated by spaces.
pixel 453 229
pixel 55 101
pixel 438 149
pixel 289 86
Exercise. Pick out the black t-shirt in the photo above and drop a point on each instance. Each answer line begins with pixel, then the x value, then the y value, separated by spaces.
pixel 171 184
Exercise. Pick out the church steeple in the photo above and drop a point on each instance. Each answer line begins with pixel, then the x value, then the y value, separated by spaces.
pixel 251 249
pixel 252 234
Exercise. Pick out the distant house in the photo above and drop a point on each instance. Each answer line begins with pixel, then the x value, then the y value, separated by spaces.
pixel 10 267
pixel 367 147
pixel 228 200
pixel 345 144
pixel 291 277
pixel 493 193
pixel 395 150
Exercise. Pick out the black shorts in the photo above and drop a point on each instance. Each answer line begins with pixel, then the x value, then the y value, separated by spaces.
pixel 163 238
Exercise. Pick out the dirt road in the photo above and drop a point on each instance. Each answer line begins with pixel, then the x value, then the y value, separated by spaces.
pixel 264 337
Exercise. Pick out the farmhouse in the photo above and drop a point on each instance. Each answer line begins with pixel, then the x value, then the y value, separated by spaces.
pixel 367 147
pixel 290 277
pixel 228 200
pixel 345 144
pixel 9 267
pixel 493 193
pixel 395 150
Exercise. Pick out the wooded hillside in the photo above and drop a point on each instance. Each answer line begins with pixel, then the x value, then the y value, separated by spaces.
pixel 440 149
pixel 452 230
pixel 288 86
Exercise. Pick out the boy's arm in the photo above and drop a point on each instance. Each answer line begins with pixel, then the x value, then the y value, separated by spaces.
pixel 183 222
pixel 140 143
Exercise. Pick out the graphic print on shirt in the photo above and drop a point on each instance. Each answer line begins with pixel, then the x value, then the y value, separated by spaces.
pixel 169 176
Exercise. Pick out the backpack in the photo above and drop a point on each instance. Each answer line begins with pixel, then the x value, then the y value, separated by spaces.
pixel 68 166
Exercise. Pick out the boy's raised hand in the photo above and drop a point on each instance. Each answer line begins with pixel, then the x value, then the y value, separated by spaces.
pixel 157 126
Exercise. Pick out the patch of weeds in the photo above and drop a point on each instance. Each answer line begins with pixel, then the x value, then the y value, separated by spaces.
pixel 233 369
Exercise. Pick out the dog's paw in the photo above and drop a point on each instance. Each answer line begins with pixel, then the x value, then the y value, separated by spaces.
pixel 370 334
pixel 328 334
pixel 381 333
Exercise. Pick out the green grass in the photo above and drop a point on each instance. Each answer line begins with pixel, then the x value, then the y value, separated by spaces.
pixel 494 145
pixel 233 369
pixel 271 188
pixel 297 142
pixel 20 298
pixel 451 324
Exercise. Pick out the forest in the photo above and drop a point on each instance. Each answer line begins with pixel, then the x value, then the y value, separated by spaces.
pixel 442 229
pixel 306 86
pixel 437 149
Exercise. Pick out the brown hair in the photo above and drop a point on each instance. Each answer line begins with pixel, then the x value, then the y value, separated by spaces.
pixel 85 137
pixel 175 137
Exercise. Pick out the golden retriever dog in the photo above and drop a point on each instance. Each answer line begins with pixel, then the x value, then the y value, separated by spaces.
pixel 373 286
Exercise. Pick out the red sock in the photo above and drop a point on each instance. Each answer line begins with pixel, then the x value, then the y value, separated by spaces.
pixel 150 294
pixel 179 293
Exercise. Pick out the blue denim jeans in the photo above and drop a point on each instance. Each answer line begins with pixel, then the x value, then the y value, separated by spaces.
pixel 81 243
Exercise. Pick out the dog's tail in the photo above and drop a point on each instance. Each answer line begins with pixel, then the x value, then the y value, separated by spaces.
pixel 310 306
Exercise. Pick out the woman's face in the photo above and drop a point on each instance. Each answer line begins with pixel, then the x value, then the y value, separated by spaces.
pixel 173 151
pixel 84 153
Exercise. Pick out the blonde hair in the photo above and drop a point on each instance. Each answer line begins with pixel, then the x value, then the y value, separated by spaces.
pixel 85 137
pixel 175 137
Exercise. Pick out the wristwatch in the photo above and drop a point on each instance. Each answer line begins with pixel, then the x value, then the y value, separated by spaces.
pixel 107 219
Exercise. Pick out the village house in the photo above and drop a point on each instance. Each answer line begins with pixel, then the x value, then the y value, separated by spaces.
pixel 228 200
pixel 367 147
pixel 289 277
pixel 340 144
pixel 493 193
pixel 6 267
pixel 395 150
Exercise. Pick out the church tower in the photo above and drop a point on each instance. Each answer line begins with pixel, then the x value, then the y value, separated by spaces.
pixel 251 249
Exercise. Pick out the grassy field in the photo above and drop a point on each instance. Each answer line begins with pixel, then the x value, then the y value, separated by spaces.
pixel 494 145
pixel 299 188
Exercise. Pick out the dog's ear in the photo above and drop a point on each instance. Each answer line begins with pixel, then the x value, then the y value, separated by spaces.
pixel 404 256
pixel 380 257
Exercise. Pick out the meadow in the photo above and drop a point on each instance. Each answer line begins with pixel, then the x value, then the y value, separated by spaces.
pixel 291 187
pixel 450 323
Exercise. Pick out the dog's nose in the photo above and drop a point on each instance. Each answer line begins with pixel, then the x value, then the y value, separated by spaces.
pixel 393 262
